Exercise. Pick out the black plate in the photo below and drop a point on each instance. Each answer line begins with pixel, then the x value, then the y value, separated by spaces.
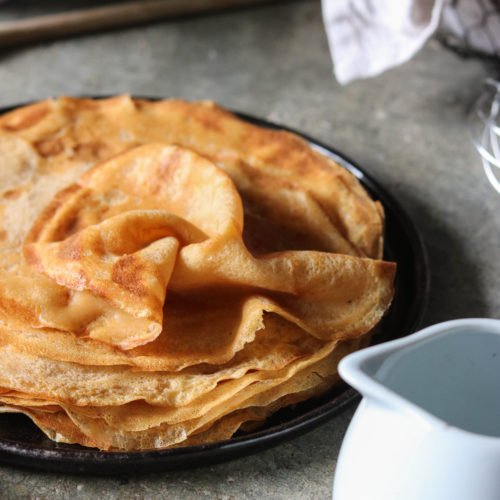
pixel 21 443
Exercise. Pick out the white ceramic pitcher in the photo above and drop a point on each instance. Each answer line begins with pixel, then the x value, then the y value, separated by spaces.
pixel 428 427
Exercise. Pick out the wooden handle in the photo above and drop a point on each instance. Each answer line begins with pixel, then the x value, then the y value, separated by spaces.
pixel 112 16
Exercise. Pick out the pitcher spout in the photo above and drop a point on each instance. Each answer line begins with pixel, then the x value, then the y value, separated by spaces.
pixel 446 374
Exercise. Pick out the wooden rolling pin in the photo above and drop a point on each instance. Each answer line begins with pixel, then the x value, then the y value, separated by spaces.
pixel 111 16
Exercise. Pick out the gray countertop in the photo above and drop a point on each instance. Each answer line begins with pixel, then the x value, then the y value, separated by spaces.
pixel 407 127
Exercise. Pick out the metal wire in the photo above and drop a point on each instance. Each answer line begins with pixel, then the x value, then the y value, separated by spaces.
pixel 484 126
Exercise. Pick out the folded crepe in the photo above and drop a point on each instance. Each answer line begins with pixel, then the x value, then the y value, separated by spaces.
pixel 169 272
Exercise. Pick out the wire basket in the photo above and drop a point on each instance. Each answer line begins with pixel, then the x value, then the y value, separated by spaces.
pixel 484 125
pixel 471 27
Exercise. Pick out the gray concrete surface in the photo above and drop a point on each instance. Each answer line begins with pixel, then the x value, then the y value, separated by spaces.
pixel 406 127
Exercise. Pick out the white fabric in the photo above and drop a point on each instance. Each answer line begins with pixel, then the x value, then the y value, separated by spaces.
pixel 366 37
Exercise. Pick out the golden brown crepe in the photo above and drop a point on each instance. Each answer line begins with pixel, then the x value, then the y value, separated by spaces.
pixel 169 272
pixel 141 427
pixel 287 184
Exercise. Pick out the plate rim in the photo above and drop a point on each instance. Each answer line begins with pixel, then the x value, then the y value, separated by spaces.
pixel 91 461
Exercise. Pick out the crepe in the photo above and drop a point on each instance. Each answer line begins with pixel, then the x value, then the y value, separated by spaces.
pixel 170 273
pixel 273 349
pixel 56 140
pixel 175 221
pixel 138 432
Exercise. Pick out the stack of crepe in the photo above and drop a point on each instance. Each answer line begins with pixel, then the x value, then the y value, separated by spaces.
pixel 170 273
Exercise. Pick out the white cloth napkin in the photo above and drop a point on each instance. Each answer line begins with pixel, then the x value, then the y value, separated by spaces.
pixel 366 37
